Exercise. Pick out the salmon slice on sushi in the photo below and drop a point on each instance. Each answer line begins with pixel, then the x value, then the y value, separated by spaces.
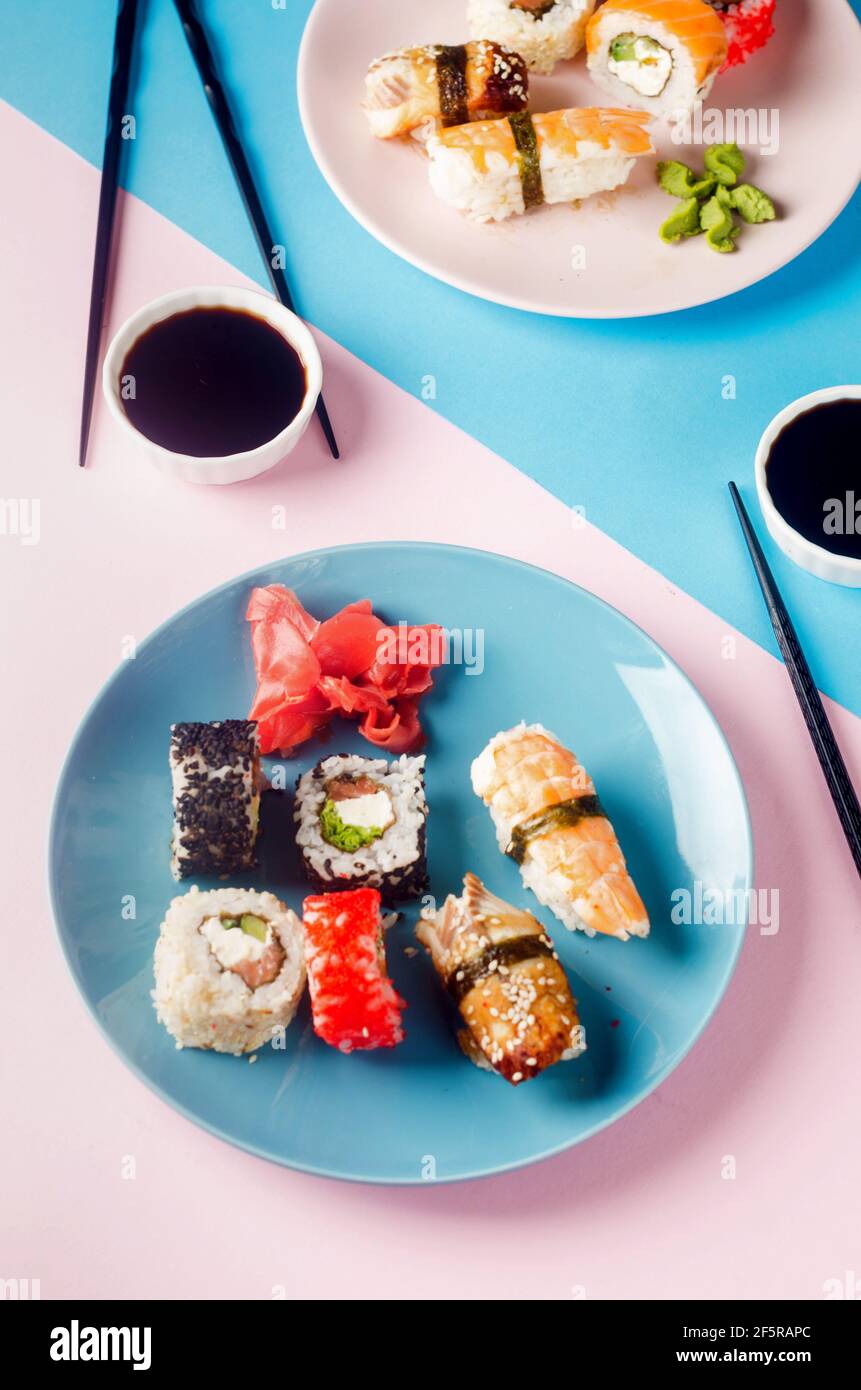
pixel 442 85
pixel 549 820
pixel 491 170
pixel 662 55
pixel 498 965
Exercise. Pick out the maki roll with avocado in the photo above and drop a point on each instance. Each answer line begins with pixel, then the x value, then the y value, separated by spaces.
pixel 661 55
pixel 216 797
pixel 361 822
pixel 229 969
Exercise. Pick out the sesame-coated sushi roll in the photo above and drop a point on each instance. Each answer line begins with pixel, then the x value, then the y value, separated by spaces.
pixel 501 971
pixel 495 169
pixel 544 32
pixel 361 822
pixel 354 1003
pixel 661 55
pixel 442 85
pixel 215 770
pixel 229 969
pixel 749 25
pixel 549 820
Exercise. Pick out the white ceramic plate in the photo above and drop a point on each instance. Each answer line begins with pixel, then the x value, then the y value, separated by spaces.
pixel 806 81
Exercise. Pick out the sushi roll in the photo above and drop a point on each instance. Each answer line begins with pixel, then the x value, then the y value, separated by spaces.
pixel 544 32
pixel 749 25
pixel 662 55
pixel 229 969
pixel 354 1003
pixel 361 822
pixel 501 971
pixel 442 85
pixel 550 821
pixel 215 770
pixel 494 169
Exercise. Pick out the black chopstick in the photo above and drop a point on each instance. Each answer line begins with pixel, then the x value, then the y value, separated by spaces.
pixel 124 39
pixel 818 726
pixel 217 98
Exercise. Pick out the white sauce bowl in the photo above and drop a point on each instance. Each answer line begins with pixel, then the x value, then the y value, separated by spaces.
pixel 227 468
pixel 825 564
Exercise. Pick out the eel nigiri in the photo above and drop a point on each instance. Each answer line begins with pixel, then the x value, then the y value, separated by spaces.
pixel 353 1001
pixel 499 966
pixel 444 85
pixel 659 54
pixel 493 169
pixel 550 821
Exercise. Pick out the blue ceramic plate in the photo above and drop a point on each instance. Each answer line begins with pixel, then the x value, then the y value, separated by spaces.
pixel 552 654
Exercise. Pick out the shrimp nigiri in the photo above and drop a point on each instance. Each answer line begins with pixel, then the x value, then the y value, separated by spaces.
pixel 550 821
pixel 499 966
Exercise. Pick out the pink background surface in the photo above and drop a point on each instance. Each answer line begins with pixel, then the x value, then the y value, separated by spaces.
pixel 639 1211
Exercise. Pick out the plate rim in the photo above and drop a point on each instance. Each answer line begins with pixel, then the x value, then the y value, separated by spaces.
pixel 321 1171
pixel 511 300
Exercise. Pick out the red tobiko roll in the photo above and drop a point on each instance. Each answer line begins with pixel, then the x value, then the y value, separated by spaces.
pixel 353 1001
pixel 749 25
pixel 352 664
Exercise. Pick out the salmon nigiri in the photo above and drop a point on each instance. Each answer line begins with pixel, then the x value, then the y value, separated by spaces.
pixel 662 55
pixel 549 820
pixel 493 169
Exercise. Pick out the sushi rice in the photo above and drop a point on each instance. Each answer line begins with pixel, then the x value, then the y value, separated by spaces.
pixel 542 36
pixel 478 168
pixel 394 862
pixel 200 997
pixel 663 55
pixel 585 883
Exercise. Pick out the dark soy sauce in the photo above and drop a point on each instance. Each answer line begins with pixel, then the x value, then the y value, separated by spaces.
pixel 211 382
pixel 813 474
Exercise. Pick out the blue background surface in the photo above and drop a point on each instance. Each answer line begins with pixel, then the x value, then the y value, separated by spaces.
pixel 625 419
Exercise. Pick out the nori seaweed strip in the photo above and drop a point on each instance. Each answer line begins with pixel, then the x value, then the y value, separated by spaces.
pixel 507 953
pixel 528 160
pixel 563 813
pixel 451 83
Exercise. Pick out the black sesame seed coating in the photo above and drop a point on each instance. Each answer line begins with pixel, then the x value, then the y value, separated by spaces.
pixel 398 885
pixel 221 744
pixel 212 831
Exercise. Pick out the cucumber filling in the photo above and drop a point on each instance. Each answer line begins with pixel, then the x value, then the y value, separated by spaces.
pixel 641 63
pixel 245 945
